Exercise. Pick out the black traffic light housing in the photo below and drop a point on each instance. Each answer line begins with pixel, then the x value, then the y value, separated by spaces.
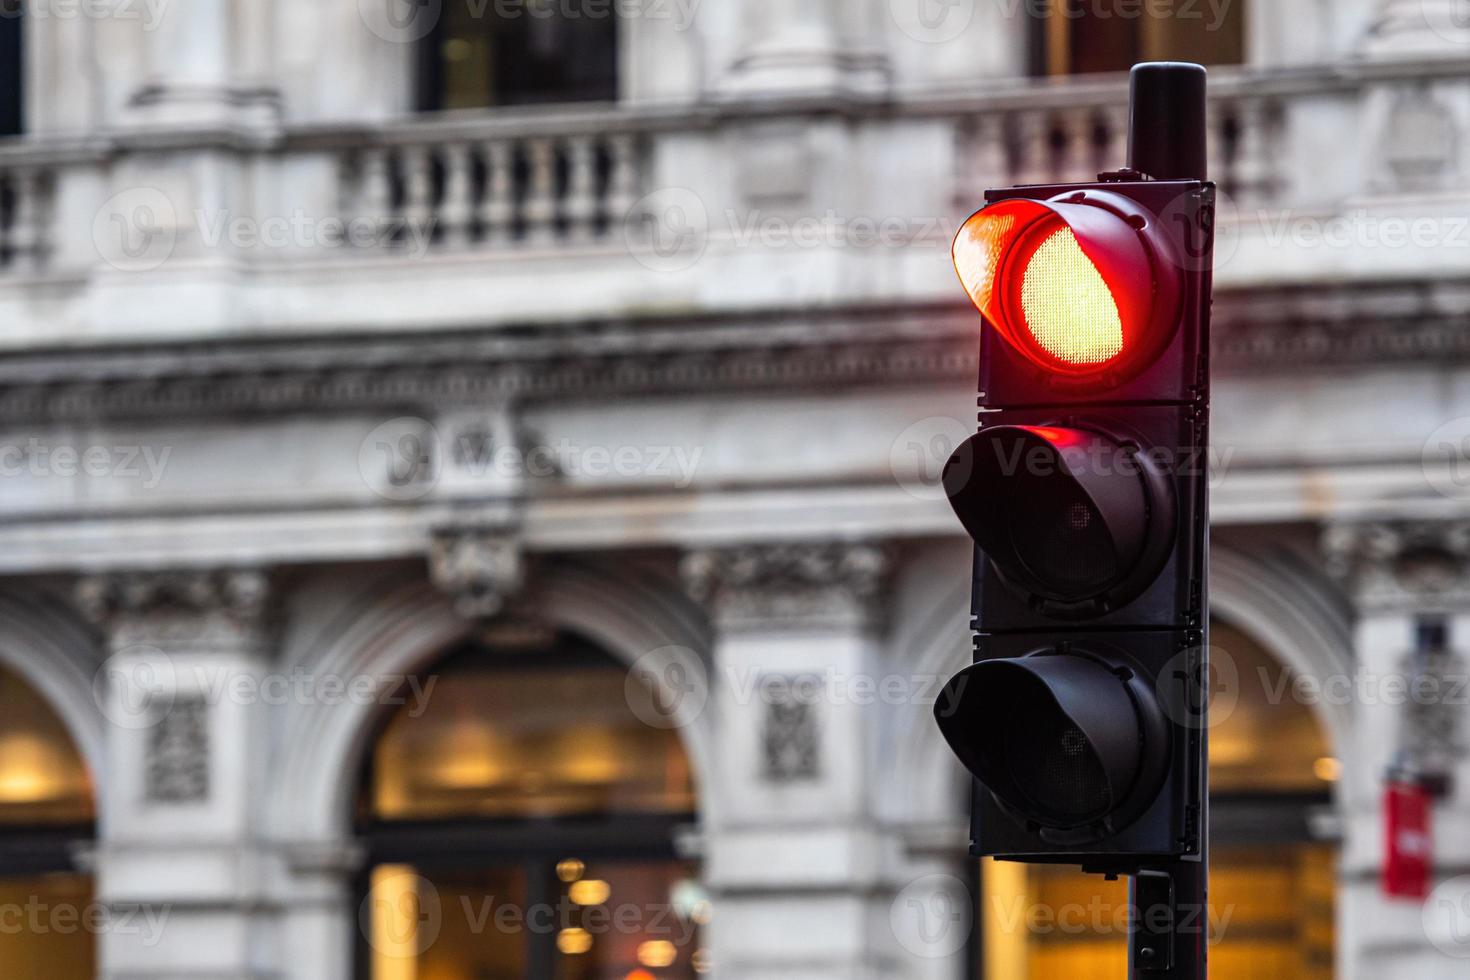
pixel 1085 490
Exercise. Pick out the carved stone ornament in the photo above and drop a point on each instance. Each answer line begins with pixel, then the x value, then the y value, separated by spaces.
pixel 790 585
pixel 1409 565
pixel 196 608
pixel 481 569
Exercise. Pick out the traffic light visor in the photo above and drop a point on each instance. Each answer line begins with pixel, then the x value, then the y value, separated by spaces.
pixel 1060 739
pixel 1072 519
pixel 1076 284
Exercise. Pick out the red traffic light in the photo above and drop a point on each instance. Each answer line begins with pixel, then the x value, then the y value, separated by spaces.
pixel 1082 285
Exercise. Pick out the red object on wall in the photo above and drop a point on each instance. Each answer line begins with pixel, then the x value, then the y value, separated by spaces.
pixel 1409 845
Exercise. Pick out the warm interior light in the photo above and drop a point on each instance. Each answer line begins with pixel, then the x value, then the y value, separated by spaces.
pixel 574 941
pixel 1067 305
pixel 590 892
pixel 1327 769
pixel 657 953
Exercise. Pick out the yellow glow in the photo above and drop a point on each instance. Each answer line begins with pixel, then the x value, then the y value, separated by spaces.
pixel 977 253
pixel 1067 304
pixel 702 914
pixel 701 961
pixel 570 870
pixel 1327 769
pixel 30 771
pixel 657 953
pixel 395 922
pixel 574 942
pixel 590 892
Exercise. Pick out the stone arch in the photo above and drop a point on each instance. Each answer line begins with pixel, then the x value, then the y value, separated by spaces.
pixel 44 641
pixel 397 626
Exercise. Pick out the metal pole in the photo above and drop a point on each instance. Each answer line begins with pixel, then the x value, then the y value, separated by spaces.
pixel 1167 141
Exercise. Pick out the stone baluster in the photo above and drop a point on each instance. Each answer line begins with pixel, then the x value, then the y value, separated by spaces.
pixel 622 185
pixel 497 204
pixel 417 215
pixel 540 204
pixel 1251 177
pixel 27 224
pixel 579 209
pixel 457 212
pixel 1034 144
pixel 1077 162
pixel 1115 137
pixel 375 196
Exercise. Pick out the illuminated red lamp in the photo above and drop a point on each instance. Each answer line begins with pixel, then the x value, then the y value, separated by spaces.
pixel 1081 285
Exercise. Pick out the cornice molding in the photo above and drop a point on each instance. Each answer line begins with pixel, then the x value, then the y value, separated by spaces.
pixel 1257 331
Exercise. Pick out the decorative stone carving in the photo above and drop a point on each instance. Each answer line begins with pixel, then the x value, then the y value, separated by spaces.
pixel 178 754
pixel 1410 565
pixel 790 733
pixel 1420 143
pixel 194 610
pixel 481 568
pixel 790 585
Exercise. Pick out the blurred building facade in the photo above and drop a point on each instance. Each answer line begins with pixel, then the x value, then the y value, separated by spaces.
pixel 473 458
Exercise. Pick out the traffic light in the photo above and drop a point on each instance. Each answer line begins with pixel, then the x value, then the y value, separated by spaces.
pixel 1085 490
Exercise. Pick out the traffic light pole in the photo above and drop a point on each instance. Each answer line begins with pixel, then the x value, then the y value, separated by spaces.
pixel 1170 929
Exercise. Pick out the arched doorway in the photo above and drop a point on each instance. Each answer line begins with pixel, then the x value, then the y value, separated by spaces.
pixel 521 820
pixel 48 916
pixel 1273 884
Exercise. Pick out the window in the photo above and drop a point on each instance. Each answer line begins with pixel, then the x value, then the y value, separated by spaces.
pixel 482 55
pixel 1269 766
pixel 1080 37
pixel 520 822
pixel 12 93
pixel 46 810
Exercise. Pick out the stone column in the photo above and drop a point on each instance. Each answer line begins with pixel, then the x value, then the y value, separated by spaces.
pixel 798 870
pixel 180 836
pixel 195 53
pixel 1408 707
pixel 811 48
